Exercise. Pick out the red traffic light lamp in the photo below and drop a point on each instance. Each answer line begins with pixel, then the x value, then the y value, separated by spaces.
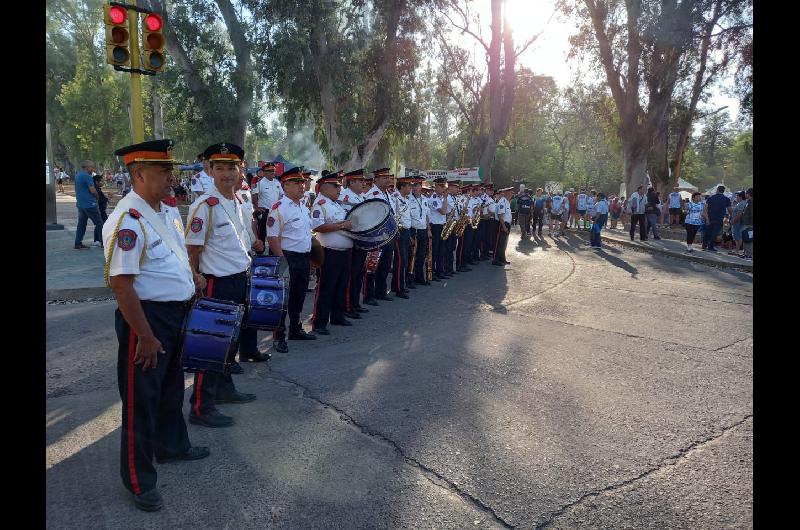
pixel 153 42
pixel 117 36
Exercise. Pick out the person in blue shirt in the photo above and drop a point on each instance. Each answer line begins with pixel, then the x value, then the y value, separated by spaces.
pixel 87 204
pixel 714 214
pixel 599 218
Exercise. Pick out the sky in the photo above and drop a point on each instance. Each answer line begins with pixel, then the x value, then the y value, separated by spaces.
pixel 548 55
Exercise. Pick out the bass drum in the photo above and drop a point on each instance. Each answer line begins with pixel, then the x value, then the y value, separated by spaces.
pixel 267 297
pixel 373 224
pixel 211 335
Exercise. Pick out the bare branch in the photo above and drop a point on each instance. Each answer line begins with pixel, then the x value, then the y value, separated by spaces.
pixel 465 27
pixel 530 41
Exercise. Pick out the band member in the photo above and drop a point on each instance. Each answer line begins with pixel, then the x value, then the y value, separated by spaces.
pixel 266 192
pixel 402 243
pixel 453 204
pixel 218 242
pixel 477 210
pixel 438 215
pixel 149 273
pixel 487 202
pixel 420 224
pixel 328 221
pixel 465 241
pixel 491 223
pixel 289 235
pixel 308 196
pixel 350 196
pixel 379 191
pixel 504 226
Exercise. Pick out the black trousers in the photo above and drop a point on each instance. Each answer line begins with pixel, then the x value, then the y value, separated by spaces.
pixel 491 233
pixel 384 266
pixel 483 244
pixel 449 254
pixel 438 250
pixel 331 298
pixel 152 401
pixel 420 267
pixel 638 218
pixel 537 219
pixel 465 242
pixel 402 246
pixel 524 223
pixel 210 385
pixel 502 242
pixel 477 234
pixel 358 259
pixel 299 271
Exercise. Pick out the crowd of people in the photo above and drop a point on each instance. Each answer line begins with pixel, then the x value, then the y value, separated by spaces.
pixel 157 265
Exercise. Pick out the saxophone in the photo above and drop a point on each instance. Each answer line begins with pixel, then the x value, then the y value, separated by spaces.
pixel 476 217
pixel 449 224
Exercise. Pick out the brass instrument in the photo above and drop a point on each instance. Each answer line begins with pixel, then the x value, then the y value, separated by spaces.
pixel 476 217
pixel 449 224
pixel 400 214
pixel 413 259
pixel 461 225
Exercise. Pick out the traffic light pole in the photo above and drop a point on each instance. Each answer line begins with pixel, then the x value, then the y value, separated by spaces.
pixel 137 109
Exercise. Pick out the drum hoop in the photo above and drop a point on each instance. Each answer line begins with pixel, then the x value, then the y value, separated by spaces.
pixel 354 208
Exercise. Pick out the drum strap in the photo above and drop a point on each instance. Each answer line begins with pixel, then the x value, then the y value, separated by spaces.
pixel 234 217
pixel 210 221
pixel 161 229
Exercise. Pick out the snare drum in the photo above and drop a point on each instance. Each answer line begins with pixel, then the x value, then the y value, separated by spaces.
pixel 267 297
pixel 373 224
pixel 268 266
pixel 211 335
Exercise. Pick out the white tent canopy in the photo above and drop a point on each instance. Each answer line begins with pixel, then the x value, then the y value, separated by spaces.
pixel 686 186
pixel 713 189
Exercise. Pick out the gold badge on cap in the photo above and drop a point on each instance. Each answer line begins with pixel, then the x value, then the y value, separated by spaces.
pixel 224 150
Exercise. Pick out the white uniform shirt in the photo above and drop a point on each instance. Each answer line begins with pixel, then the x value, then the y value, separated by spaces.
pixel 375 193
pixel 487 204
pixel 473 205
pixel 268 191
pixel 402 206
pixel 291 223
pixel 436 201
pixel 328 211
pixel 504 210
pixel 455 205
pixel 226 251
pixel 246 202
pixel 196 186
pixel 492 208
pixel 348 198
pixel 205 181
pixel 160 277
pixel 420 211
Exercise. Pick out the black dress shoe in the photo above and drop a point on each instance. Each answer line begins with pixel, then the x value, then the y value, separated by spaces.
pixel 354 316
pixel 149 501
pixel 194 453
pixel 342 322
pixel 301 335
pixel 235 368
pixel 257 357
pixel 322 331
pixel 385 298
pixel 360 309
pixel 211 419
pixel 235 397
pixel 280 346
pixel 402 295
pixel 371 301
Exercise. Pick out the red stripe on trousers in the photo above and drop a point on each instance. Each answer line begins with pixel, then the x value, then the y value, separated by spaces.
pixel 316 299
pixel 198 391
pixel 461 252
pixel 347 295
pixel 399 272
pixel 131 465
pixel 497 242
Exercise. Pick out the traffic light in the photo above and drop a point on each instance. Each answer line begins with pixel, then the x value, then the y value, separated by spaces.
pixel 153 43
pixel 117 37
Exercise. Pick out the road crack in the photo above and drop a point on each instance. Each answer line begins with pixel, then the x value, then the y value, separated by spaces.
pixel 432 475
pixel 667 462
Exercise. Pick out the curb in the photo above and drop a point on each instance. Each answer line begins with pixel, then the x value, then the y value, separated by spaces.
pixel 78 293
pixel 746 267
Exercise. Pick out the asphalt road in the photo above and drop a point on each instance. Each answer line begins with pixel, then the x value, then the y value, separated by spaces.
pixel 572 389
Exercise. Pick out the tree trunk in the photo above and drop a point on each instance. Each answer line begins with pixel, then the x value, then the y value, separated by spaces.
pixel 634 165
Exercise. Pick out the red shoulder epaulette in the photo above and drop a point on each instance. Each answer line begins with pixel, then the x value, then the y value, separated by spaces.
pixel 134 213
pixel 212 201
pixel 275 206
pixel 170 201
pixel 245 186
pixel 321 202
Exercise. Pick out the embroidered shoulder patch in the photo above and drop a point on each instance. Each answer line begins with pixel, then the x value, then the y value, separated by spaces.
pixel 126 239
pixel 315 215
pixel 276 205
pixel 321 202
pixel 212 201
pixel 134 213
pixel 197 225
pixel 270 221
pixel 346 198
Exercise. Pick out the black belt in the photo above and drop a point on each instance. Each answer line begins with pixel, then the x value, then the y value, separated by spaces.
pixel 183 305
pixel 292 253
pixel 237 275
